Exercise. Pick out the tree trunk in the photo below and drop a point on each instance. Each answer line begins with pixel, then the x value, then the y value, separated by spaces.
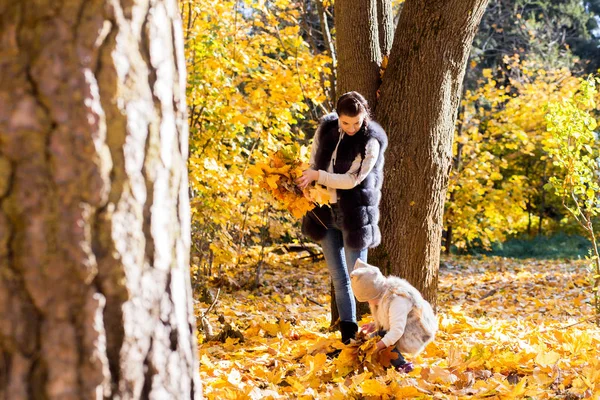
pixel 542 210
pixel 529 203
pixel 95 296
pixel 385 18
pixel 448 240
pixel 420 94
pixel 357 46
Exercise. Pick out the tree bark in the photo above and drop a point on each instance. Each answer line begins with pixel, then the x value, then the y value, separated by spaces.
pixel 385 18
pixel 357 46
pixel 95 295
pixel 420 94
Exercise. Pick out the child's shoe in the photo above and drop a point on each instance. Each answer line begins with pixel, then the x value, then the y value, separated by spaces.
pixel 405 368
pixel 333 354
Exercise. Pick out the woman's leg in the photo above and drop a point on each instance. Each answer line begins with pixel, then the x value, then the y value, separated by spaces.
pixel 353 255
pixel 333 250
pixel 350 255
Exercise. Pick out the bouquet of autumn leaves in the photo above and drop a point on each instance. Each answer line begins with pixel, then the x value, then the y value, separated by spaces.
pixel 278 177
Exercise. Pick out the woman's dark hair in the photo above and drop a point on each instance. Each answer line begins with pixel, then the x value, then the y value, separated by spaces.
pixel 352 104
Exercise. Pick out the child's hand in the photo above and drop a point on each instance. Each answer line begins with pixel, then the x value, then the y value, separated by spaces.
pixel 380 345
pixel 368 328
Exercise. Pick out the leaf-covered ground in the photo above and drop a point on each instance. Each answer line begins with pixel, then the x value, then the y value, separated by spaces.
pixel 508 329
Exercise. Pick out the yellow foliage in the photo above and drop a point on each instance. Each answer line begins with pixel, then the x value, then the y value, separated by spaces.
pixel 251 77
pixel 500 155
pixel 279 175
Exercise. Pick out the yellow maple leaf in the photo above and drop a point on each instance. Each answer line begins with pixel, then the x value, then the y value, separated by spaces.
pixel 387 355
pixel 230 343
pixel 234 377
pixel 319 194
pixel 297 386
pixel 299 206
pixel 322 345
pixel 270 328
pixel 277 161
pixel 346 362
pixel 315 365
pixel 272 181
pixel 296 212
pixel 284 169
pixel 438 374
pixel 254 171
pixel 455 357
pixel 542 378
pixel 373 387
pixel 547 359
pixel 513 392
pixel 405 392
pixel 284 327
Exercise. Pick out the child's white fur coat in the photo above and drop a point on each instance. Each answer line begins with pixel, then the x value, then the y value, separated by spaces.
pixel 421 323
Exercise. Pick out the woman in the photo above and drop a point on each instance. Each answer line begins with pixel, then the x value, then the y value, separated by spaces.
pixel 347 158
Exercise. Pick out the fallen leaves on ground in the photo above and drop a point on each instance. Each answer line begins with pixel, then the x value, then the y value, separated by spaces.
pixel 508 329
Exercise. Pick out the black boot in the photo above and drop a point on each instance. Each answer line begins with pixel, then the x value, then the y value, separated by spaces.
pixel 348 330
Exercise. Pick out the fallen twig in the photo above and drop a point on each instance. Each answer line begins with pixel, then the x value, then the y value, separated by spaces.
pixel 314 301
pixel 578 322
pixel 212 305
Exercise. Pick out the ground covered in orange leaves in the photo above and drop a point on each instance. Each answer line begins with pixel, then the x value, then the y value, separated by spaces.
pixel 508 329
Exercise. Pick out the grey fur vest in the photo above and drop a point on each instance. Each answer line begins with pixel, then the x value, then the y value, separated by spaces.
pixel 421 323
pixel 359 206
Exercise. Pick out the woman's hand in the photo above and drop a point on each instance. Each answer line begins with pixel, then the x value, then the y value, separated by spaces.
pixel 380 346
pixel 368 328
pixel 307 177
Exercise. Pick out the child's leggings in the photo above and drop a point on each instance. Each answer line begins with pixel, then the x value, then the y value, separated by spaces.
pixel 398 361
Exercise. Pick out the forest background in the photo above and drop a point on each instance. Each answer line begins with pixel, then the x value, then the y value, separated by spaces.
pixel 260 75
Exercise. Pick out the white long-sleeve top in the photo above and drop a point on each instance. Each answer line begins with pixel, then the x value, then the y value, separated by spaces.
pixel 393 319
pixel 349 179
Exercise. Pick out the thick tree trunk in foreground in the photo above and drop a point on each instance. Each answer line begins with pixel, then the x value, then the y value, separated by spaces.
pixel 420 95
pixel 95 297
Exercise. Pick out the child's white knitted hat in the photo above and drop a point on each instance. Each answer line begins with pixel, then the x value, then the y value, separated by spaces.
pixel 367 281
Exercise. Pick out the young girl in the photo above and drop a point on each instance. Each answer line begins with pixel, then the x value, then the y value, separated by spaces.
pixel 402 317
pixel 347 158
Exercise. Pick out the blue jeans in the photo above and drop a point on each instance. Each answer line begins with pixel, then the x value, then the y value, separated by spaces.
pixel 340 262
